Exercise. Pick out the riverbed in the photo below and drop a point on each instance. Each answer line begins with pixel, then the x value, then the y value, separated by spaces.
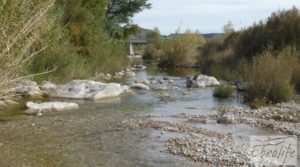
pixel 93 136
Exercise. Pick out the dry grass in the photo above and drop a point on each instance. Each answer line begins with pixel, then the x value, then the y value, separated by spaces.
pixel 22 25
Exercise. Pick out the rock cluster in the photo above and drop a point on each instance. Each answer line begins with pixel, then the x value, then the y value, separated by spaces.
pixel 87 89
pixel 139 67
pixel 223 152
pixel 29 88
pixel 201 81
pixel 118 75
pixel 283 117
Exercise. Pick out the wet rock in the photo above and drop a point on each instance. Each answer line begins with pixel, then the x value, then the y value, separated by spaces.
pixel 87 89
pixel 138 68
pixel 50 106
pixel 140 86
pixel 201 81
pixel 226 119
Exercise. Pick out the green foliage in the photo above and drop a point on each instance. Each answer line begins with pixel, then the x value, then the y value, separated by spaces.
pixel 180 49
pixel 279 30
pixel 154 47
pixel 271 74
pixel 217 60
pixel 119 14
pixel 224 91
pixel 78 44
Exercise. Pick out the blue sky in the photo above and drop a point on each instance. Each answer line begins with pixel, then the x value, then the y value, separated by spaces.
pixel 208 16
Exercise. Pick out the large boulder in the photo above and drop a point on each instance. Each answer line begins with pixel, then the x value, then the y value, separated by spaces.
pixel 86 89
pixel 50 106
pixel 201 81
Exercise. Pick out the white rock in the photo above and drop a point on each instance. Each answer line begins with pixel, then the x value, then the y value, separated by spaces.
pixel 47 85
pixel 130 74
pixel 86 89
pixel 202 81
pixel 51 106
pixel 140 86
pixel 28 87
pixel 11 102
pixel 2 104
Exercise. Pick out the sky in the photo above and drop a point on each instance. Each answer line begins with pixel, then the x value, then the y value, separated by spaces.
pixel 208 16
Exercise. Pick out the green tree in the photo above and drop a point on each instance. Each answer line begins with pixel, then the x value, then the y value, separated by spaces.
pixel 119 14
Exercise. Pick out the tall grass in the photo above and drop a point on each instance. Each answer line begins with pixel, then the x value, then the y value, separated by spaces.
pixel 271 74
pixel 22 25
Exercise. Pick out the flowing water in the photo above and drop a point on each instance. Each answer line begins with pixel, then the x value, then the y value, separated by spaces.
pixel 88 137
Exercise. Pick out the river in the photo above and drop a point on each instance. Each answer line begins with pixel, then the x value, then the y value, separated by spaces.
pixel 89 137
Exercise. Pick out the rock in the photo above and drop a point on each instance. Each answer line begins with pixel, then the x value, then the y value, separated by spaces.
pixel 201 81
pixel 29 88
pixel 2 104
pixel 11 102
pixel 129 74
pixel 226 119
pixel 140 86
pixel 50 106
pixel 47 85
pixel 87 89
pixel 126 89
pixel 146 82
pixel 138 68
pixel 243 86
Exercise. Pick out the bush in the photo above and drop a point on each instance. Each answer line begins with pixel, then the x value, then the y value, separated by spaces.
pixel 224 91
pixel 180 49
pixel 271 74
pixel 281 29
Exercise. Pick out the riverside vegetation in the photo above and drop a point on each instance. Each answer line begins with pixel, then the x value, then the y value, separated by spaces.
pixel 63 39
pixel 266 55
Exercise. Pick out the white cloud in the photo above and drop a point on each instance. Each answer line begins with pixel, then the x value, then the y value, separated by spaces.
pixel 208 15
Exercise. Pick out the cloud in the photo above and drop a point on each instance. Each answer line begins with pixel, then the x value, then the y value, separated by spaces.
pixel 208 15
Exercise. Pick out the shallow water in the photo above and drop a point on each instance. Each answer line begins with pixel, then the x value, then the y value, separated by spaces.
pixel 89 137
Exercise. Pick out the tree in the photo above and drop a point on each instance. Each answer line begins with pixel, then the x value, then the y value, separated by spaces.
pixel 228 28
pixel 119 14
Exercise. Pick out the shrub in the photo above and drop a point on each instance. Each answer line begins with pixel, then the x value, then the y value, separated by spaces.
pixel 180 49
pixel 271 74
pixel 282 28
pixel 224 91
